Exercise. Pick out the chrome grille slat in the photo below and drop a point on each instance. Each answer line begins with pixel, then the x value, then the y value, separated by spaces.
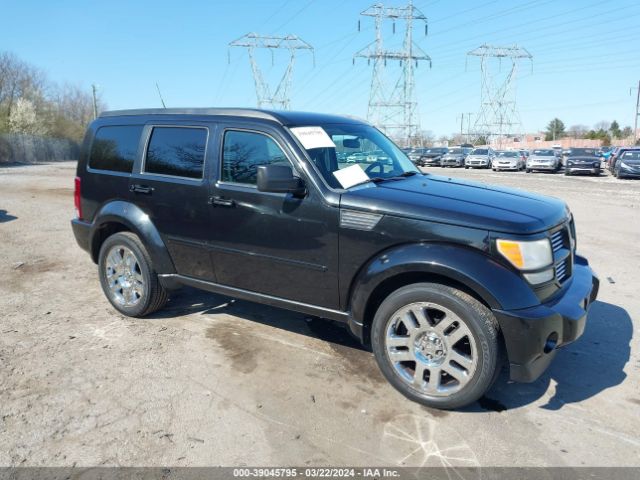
pixel 557 240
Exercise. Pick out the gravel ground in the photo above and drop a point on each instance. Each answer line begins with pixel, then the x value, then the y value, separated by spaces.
pixel 210 381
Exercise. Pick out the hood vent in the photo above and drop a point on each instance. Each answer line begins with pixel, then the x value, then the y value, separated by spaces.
pixel 359 220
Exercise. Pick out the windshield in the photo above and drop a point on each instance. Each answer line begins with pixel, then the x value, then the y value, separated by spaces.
pixel 508 154
pixel 480 151
pixel 360 145
pixel 631 155
pixel 456 151
pixel 544 153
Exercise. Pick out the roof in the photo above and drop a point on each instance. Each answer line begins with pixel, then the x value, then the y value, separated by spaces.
pixel 286 118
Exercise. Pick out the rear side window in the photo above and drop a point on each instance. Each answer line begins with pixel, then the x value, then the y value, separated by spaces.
pixel 244 152
pixel 115 148
pixel 176 151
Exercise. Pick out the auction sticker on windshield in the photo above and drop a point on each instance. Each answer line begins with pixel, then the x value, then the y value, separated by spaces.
pixel 313 137
pixel 350 176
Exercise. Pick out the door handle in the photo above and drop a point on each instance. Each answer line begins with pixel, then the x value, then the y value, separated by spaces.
pixel 222 202
pixel 141 189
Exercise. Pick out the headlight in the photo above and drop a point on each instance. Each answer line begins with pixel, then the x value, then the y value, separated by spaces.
pixel 596 164
pixel 530 255
pixel 569 163
pixel 624 165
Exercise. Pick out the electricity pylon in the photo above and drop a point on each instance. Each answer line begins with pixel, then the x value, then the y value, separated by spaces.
pixel 279 99
pixel 394 109
pixel 498 117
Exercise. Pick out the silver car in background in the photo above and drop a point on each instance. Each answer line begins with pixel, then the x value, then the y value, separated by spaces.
pixel 480 158
pixel 546 160
pixel 508 160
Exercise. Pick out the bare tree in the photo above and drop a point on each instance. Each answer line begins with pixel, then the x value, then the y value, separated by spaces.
pixel 577 131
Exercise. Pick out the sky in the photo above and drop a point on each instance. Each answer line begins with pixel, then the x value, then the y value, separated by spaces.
pixel 585 53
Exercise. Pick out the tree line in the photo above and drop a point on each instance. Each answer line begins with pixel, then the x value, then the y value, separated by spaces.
pixel 604 131
pixel 32 104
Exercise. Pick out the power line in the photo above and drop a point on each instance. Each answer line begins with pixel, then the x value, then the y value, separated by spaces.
pixel 279 98
pixel 498 116
pixel 393 109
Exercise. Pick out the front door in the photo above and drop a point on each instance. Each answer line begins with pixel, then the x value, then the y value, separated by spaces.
pixel 274 244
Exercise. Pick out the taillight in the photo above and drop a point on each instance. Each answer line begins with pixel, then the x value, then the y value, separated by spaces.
pixel 76 198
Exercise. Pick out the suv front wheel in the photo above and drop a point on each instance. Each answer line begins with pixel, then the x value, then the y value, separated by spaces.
pixel 127 276
pixel 437 345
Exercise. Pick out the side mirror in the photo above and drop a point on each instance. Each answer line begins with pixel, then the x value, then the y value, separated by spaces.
pixel 351 143
pixel 279 179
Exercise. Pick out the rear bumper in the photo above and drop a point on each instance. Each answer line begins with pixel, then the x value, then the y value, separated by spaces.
pixel 82 232
pixel 532 335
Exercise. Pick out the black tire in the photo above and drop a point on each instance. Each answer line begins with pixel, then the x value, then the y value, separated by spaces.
pixel 481 330
pixel 527 170
pixel 567 173
pixel 154 295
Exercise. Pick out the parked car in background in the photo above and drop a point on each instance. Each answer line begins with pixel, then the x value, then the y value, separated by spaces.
pixel 480 158
pixel 582 160
pixel 455 157
pixel 508 160
pixel 628 165
pixel 415 153
pixel 431 157
pixel 546 160
pixel 615 156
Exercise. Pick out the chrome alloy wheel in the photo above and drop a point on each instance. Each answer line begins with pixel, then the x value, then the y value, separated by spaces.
pixel 124 276
pixel 431 348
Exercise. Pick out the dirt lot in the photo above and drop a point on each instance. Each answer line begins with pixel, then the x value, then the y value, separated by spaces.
pixel 209 381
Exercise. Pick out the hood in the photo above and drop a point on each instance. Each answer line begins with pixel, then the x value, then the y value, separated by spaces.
pixel 453 155
pixel 453 201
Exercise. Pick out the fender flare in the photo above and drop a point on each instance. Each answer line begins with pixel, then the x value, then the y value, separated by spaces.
pixel 497 285
pixel 139 223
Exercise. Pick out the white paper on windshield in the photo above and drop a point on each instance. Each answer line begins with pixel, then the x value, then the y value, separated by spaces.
pixel 350 176
pixel 313 137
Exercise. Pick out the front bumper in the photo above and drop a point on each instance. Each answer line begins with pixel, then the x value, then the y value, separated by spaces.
pixel 452 162
pixel 541 166
pixel 577 168
pixel 629 172
pixel 532 335
pixel 430 161
pixel 505 166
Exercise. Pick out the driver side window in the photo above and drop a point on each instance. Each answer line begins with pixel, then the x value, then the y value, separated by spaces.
pixel 243 152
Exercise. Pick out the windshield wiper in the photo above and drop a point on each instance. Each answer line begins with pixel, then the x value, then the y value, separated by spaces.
pixel 369 180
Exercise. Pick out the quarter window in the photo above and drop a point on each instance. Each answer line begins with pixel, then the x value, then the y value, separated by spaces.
pixel 176 151
pixel 243 152
pixel 114 148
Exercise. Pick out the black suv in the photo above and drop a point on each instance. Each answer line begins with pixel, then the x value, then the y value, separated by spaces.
pixel 582 160
pixel 442 278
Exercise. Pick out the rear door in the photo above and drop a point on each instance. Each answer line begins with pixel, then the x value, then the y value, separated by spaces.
pixel 170 185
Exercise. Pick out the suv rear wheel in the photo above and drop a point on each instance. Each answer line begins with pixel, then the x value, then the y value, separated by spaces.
pixel 437 345
pixel 127 276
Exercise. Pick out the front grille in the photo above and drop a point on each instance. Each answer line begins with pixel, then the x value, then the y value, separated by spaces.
pixel 557 240
pixel 562 246
pixel 561 270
